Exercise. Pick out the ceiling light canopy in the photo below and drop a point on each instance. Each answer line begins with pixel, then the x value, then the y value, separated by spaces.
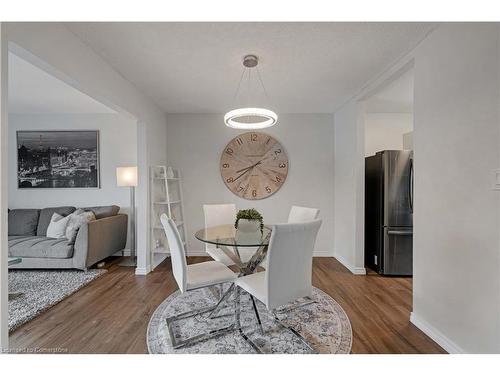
pixel 250 117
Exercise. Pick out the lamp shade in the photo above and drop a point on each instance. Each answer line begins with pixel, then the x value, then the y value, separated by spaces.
pixel 126 176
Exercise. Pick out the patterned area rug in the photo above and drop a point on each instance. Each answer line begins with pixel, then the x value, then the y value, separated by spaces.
pixel 325 325
pixel 41 289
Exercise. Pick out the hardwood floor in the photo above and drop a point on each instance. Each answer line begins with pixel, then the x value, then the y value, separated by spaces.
pixel 111 314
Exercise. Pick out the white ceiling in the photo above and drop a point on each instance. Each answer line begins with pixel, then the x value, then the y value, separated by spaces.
pixel 396 97
pixel 33 91
pixel 195 67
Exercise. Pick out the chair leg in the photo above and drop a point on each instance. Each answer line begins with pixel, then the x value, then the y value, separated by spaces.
pixel 276 319
pixel 291 329
pixel 257 313
pixel 237 306
pixel 297 305
pixel 198 338
pixel 237 312
pixel 204 336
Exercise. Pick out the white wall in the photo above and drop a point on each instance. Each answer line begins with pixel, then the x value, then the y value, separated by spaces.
pixel 348 172
pixel 408 141
pixel 117 147
pixel 456 279
pixel 52 47
pixel 456 138
pixel 384 131
pixel 195 143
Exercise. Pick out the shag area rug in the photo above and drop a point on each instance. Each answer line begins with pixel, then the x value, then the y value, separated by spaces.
pixel 41 289
pixel 325 325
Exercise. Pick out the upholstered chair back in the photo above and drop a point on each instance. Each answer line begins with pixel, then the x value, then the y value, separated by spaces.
pixel 218 214
pixel 177 252
pixel 289 268
pixel 299 214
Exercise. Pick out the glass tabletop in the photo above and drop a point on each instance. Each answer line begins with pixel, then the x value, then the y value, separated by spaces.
pixel 228 235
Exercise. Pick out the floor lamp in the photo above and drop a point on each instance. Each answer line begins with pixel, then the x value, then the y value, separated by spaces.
pixel 127 177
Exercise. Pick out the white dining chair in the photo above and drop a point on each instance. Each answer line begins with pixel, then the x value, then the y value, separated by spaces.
pixel 223 214
pixel 287 278
pixel 191 277
pixel 297 214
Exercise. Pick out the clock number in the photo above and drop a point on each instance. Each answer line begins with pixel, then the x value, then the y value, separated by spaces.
pixel 229 151
pixel 278 179
pixel 230 179
pixel 253 137
pixel 254 193
pixel 268 189
pixel 239 141
pixel 277 152
pixel 240 188
pixel 225 165
pixel 282 165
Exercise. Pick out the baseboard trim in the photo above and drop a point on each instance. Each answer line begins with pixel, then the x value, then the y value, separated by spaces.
pixel 322 254
pixel 354 270
pixel 142 271
pixel 437 336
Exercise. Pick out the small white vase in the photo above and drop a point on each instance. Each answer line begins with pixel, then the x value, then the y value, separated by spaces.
pixel 248 226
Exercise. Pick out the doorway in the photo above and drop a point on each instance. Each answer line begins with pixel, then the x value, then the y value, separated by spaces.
pixel 387 116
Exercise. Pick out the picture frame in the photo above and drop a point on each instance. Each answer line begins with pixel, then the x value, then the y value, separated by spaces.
pixel 58 159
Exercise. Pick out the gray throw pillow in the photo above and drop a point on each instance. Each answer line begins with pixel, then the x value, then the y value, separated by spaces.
pixel 77 219
pixel 23 222
pixel 46 216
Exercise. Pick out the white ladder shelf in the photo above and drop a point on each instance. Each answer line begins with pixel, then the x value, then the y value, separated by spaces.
pixel 166 197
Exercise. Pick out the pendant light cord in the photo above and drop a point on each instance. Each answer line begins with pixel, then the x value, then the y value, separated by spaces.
pixel 239 85
pixel 262 83
pixel 249 83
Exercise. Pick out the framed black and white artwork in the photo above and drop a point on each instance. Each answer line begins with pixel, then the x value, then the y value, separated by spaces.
pixel 58 159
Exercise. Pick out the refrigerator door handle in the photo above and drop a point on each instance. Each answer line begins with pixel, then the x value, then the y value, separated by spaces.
pixel 410 187
pixel 400 232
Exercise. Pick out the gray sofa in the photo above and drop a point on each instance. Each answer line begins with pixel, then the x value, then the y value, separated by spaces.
pixel 95 240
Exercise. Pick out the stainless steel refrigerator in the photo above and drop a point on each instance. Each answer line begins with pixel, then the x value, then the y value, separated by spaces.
pixel 389 212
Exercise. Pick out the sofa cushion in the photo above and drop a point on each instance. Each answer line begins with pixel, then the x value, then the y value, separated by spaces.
pixel 101 212
pixel 39 247
pixel 23 222
pixel 46 216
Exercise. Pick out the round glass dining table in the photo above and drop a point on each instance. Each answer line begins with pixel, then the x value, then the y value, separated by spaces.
pixel 228 239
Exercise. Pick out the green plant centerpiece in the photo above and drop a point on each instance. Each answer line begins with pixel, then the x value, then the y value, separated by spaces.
pixel 249 220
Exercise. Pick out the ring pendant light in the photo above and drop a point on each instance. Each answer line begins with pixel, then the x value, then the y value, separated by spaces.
pixel 250 117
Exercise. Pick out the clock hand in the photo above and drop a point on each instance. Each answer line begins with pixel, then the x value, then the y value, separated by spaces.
pixel 244 169
pixel 243 181
pixel 248 170
pixel 241 170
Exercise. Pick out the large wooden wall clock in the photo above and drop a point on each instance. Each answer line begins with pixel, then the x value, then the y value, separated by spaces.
pixel 254 165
